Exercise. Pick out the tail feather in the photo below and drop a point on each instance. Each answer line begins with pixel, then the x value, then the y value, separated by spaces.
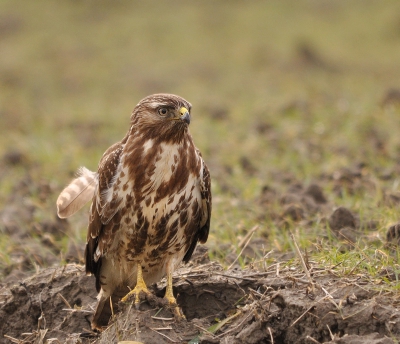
pixel 103 312
pixel 77 193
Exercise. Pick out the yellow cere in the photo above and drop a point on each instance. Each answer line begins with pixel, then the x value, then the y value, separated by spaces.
pixel 183 110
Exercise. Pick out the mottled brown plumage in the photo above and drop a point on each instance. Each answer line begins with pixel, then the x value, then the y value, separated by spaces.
pixel 151 202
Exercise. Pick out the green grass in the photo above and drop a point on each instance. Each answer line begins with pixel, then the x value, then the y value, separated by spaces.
pixel 71 72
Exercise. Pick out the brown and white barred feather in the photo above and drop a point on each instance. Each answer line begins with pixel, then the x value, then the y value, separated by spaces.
pixel 77 193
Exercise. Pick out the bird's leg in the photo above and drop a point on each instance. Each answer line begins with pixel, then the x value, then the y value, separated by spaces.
pixel 140 287
pixel 169 296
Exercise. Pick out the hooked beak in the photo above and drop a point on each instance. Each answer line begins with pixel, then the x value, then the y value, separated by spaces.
pixel 185 116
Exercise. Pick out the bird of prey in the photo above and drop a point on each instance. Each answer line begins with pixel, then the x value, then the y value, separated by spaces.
pixel 151 204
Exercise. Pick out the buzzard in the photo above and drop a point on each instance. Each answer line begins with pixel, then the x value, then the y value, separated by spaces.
pixel 151 204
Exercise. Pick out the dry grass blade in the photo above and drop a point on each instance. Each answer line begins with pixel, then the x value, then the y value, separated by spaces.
pixel 165 336
pixel 243 242
pixel 234 328
pixel 204 330
pixel 303 263
pixel 215 328
pixel 12 339
pixel 308 309
pixel 249 236
pixel 311 339
pixel 42 334
pixel 64 300
pixel 112 308
pixel 355 266
pixel 73 310
pixel 270 334
pixel 164 319
pixel 330 332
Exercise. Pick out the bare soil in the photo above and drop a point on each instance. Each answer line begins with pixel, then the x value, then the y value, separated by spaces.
pixel 277 305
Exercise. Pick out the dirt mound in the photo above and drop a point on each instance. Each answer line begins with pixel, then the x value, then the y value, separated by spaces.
pixel 278 305
pixel 55 302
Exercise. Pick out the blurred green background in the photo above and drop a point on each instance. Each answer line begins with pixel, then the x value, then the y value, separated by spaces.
pixel 283 92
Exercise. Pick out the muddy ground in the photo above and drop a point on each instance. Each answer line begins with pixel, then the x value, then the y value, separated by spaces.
pixel 263 303
pixel 278 305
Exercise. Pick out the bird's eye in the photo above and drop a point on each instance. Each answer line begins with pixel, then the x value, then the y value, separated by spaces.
pixel 162 111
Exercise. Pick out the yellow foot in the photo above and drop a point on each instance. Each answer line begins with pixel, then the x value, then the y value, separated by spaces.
pixel 178 314
pixel 169 296
pixel 140 287
pixel 136 292
pixel 176 310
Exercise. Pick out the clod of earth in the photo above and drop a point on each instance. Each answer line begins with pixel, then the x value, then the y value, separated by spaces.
pixel 341 218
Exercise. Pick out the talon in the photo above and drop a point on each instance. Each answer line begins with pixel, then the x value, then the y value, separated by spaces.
pixel 169 296
pixel 140 287
pixel 178 314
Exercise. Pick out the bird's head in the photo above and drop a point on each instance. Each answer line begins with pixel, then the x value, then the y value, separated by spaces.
pixel 165 115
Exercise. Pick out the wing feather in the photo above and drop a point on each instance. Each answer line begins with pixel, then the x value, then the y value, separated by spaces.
pixel 102 211
pixel 206 205
pixel 204 228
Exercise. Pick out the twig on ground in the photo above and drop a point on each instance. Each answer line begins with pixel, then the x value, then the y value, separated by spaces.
pixel 112 308
pixel 243 278
pixel 270 334
pixel 94 334
pixel 264 264
pixel 327 293
pixel 162 334
pixel 250 235
pixel 330 298
pixel 312 340
pixel 205 330
pixel 137 329
pixel 330 332
pixel 73 310
pixel 241 289
pixel 159 318
pixel 42 319
pixel 158 311
pixel 303 263
pixel 64 300
pixel 355 266
pixel 127 316
pixel 247 236
pixel 14 340
pixel 53 275
pixel 261 296
pixel 308 309
pixel 234 328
